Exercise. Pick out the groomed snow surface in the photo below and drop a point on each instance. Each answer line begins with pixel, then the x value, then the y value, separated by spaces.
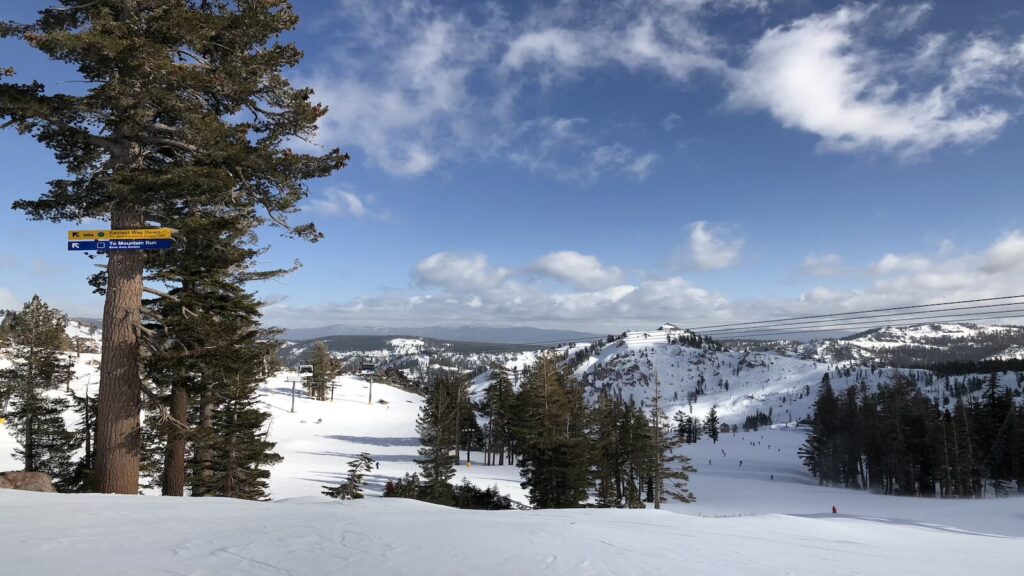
pixel 763 517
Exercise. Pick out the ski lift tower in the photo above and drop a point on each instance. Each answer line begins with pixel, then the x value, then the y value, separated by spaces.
pixel 368 369
pixel 305 371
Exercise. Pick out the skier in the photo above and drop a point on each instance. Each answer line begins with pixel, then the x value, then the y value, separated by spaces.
pixel 741 463
pixel 378 465
pixel 835 510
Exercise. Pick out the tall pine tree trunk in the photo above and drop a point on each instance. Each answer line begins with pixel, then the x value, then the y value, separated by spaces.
pixel 117 423
pixel 174 455
pixel 30 445
pixel 204 455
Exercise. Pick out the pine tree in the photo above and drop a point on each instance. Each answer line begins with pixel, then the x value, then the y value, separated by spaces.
pixel 552 432
pixel 81 479
pixel 352 487
pixel 233 456
pixel 37 377
pixel 498 405
pixel 438 430
pixel 819 452
pixel 671 466
pixel 214 132
pixel 607 450
pixel 712 426
pixel 194 331
pixel 325 369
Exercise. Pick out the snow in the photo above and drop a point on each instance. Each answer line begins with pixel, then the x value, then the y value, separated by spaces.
pixel 765 517
pixel 320 438
pixel 46 534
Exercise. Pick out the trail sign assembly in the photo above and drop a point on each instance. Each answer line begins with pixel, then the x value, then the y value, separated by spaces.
pixel 139 234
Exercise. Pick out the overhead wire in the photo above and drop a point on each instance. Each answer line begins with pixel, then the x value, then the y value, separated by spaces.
pixel 898 316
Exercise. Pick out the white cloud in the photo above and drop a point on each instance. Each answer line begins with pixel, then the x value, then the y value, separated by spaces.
pixel 710 249
pixel 473 291
pixel 670 122
pixel 823 265
pixel 562 148
pixel 895 263
pixel 667 36
pixel 397 84
pixel 556 45
pixel 415 86
pixel 820 74
pixel 341 202
pixel 458 272
pixel 579 269
pixel 1006 255
pixel 7 300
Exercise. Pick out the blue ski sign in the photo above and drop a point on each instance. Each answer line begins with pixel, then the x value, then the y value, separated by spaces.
pixel 116 245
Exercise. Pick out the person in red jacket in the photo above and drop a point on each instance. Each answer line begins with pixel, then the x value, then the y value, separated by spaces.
pixel 835 510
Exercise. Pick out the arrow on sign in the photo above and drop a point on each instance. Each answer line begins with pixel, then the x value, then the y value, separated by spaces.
pixel 115 245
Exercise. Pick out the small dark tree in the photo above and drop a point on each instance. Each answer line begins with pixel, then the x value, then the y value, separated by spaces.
pixel 712 426
pixel 352 487
pixel 325 369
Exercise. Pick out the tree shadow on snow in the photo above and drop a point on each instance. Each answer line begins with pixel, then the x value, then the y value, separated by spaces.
pixel 377 457
pixel 371 482
pixel 377 441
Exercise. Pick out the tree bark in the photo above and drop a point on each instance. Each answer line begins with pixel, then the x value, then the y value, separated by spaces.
pixel 204 455
pixel 117 423
pixel 174 455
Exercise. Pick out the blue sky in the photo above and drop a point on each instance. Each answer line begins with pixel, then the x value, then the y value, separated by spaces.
pixel 605 166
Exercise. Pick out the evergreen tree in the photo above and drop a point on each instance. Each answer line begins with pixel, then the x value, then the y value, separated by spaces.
pixel 819 450
pixel 352 487
pixel 81 479
pixel 214 132
pixel 37 377
pixel 607 450
pixel 204 335
pixel 325 369
pixel 498 405
pixel 671 466
pixel 233 453
pixel 712 426
pixel 552 432
pixel 437 426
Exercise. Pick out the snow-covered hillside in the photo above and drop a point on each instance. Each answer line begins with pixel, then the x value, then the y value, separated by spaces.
pixel 694 377
pixel 921 344
pixel 757 510
pixel 763 517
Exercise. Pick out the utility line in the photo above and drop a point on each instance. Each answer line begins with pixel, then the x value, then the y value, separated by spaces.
pixel 700 328
pixel 723 332
pixel 862 326
pixel 897 316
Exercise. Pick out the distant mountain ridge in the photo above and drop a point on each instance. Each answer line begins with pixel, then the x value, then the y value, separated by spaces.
pixel 921 345
pixel 495 335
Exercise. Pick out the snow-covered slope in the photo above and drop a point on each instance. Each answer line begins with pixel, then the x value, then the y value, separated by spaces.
pixel 320 438
pixel 743 523
pixel 921 345
pixel 757 509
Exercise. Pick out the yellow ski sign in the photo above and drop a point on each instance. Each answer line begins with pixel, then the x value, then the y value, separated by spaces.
pixel 141 234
